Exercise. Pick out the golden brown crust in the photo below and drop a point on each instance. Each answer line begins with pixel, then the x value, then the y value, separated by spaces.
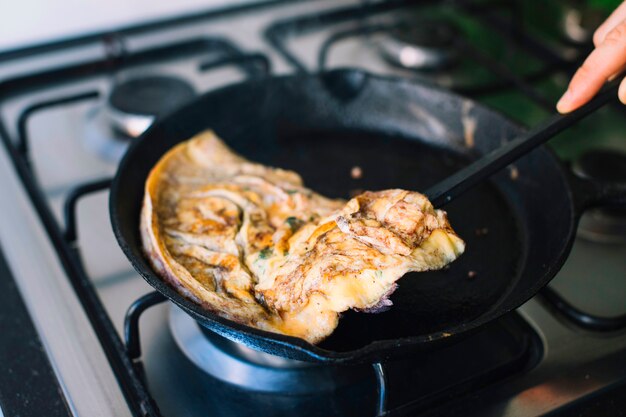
pixel 251 244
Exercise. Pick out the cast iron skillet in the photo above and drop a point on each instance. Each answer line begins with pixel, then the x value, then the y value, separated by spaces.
pixel 518 227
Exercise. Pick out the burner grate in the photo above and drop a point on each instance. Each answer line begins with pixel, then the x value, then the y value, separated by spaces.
pixel 125 356
pixel 362 26
pixel 503 348
pixel 254 65
pixel 127 372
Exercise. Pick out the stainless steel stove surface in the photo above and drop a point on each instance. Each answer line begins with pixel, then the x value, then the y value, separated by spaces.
pixel 69 110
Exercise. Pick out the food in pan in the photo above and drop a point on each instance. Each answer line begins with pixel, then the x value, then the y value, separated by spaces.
pixel 251 244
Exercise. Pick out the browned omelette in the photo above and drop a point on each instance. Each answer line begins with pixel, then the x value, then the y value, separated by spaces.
pixel 252 244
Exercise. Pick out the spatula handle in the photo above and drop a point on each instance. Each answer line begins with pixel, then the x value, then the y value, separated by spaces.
pixel 461 181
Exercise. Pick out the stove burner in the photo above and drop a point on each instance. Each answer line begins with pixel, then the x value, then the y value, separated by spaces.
pixel 580 23
pixel 419 45
pixel 130 109
pixel 100 139
pixel 134 103
pixel 604 225
pixel 239 365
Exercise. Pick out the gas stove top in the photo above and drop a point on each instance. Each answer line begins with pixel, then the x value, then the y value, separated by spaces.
pixel 68 111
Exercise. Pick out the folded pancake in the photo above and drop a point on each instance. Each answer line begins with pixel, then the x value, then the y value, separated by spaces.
pixel 251 244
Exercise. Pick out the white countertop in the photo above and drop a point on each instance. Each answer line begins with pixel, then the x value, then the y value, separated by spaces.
pixel 26 22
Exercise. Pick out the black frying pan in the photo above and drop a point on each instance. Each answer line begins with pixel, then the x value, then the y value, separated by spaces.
pixel 519 228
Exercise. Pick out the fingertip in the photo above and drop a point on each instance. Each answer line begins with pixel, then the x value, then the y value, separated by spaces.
pixel 621 92
pixel 598 36
pixel 565 104
pixel 562 109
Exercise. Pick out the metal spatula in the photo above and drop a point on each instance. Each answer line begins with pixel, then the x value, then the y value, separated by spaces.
pixel 456 184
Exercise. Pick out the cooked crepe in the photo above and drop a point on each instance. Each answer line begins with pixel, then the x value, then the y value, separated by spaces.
pixel 251 244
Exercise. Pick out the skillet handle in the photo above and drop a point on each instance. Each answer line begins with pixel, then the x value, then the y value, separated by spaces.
pixel 609 191
pixel 598 178
pixel 589 193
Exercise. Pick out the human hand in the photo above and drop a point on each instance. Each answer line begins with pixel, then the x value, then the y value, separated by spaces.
pixel 607 60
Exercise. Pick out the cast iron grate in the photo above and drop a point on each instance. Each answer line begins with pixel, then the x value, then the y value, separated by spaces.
pixel 127 372
pixel 123 356
pixel 361 26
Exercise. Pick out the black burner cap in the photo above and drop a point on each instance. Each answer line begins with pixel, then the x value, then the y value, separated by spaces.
pixel 427 34
pixel 153 95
